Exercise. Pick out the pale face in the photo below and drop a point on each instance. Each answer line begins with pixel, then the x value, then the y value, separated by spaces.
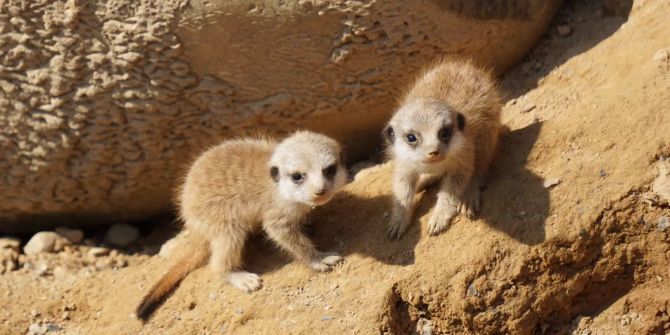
pixel 308 172
pixel 425 133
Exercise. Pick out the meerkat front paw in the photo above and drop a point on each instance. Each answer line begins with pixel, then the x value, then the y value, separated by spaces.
pixel 440 221
pixel 471 202
pixel 245 281
pixel 325 261
pixel 397 227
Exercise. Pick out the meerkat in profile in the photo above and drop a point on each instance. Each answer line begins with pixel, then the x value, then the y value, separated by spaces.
pixel 446 129
pixel 246 185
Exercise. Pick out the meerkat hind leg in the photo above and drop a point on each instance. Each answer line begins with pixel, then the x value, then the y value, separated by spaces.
pixel 447 205
pixel 227 260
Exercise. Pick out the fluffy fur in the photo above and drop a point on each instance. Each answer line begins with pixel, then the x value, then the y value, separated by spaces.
pixel 446 129
pixel 245 185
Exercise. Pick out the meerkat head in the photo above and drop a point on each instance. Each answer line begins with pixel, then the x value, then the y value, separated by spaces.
pixel 425 132
pixel 308 168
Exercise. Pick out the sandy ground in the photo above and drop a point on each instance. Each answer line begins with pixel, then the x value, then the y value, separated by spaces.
pixel 589 255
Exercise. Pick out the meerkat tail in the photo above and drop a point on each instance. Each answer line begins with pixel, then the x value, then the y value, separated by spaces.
pixel 169 282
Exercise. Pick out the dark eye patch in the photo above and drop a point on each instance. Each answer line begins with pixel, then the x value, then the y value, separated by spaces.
pixel 390 134
pixel 330 171
pixel 445 133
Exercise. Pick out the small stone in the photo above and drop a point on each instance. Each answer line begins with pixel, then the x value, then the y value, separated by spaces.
pixel 603 173
pixel 326 318
pixel 424 327
pixel 661 185
pixel 10 243
pixel 122 235
pixel 37 329
pixel 239 311
pixel 583 233
pixel 34 313
pixel 98 252
pixel 564 30
pixel 121 263
pixel 102 264
pixel 75 236
pixel 44 241
pixel 42 269
pixel 662 55
pixel 52 327
pixel 551 182
pixel 472 291
pixel 663 223
pixel 659 278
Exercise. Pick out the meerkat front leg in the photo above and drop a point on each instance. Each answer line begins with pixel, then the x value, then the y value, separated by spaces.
pixel 226 259
pixel 448 202
pixel 291 238
pixel 404 189
pixel 472 198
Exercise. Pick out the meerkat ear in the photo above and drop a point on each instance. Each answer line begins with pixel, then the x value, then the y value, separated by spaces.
pixel 274 173
pixel 460 121
pixel 390 134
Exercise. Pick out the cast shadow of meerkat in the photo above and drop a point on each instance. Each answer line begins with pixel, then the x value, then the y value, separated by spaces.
pixel 515 201
pixel 349 224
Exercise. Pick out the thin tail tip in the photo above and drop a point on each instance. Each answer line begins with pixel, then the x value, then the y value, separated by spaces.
pixel 145 310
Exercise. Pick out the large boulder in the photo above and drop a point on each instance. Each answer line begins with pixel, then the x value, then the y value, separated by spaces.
pixel 103 103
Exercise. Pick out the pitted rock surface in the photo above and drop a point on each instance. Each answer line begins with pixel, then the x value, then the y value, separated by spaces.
pixel 103 103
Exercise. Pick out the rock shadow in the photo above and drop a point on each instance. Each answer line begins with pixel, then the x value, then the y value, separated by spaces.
pixel 589 22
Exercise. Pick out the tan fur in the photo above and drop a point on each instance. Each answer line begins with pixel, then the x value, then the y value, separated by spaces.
pixel 230 192
pixel 442 92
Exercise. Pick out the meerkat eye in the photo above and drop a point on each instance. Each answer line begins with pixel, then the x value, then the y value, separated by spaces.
pixel 297 177
pixel 330 171
pixel 445 134
pixel 411 138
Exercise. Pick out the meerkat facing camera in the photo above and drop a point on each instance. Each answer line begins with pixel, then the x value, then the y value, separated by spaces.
pixel 242 186
pixel 446 129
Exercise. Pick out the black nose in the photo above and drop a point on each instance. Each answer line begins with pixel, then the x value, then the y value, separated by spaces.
pixel 320 192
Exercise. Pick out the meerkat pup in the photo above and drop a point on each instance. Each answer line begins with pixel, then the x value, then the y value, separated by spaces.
pixel 445 130
pixel 246 185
